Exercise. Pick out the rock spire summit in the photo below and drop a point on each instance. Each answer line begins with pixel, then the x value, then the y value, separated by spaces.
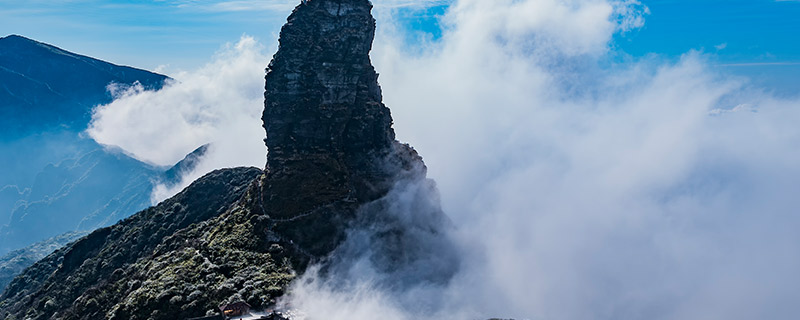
pixel 322 93
pixel 331 146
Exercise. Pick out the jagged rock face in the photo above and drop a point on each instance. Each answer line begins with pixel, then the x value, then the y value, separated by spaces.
pixel 322 94
pixel 330 140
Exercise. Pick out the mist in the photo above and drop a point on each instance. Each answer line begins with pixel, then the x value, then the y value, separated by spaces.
pixel 219 104
pixel 582 183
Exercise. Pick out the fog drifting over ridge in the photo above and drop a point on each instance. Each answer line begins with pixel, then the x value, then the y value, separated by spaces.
pixel 220 104
pixel 580 189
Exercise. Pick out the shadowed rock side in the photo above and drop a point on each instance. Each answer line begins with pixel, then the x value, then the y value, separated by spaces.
pixel 330 140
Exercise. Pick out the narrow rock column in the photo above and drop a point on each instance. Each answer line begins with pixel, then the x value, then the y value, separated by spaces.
pixel 328 133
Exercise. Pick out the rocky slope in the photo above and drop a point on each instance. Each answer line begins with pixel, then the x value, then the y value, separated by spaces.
pixel 335 175
pixel 334 165
pixel 329 136
pixel 86 278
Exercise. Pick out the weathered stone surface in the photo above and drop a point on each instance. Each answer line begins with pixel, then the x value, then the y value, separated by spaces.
pixel 322 95
pixel 330 140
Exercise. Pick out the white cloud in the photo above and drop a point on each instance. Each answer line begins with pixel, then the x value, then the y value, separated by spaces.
pixel 220 103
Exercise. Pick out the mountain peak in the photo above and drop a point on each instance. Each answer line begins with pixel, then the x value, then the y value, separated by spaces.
pixel 24 45
pixel 329 135
pixel 322 93
pixel 15 37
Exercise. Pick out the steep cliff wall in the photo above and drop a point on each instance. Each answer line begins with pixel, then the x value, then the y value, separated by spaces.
pixel 330 140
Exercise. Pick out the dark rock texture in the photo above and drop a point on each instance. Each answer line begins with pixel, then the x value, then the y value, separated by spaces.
pixel 330 140
pixel 322 96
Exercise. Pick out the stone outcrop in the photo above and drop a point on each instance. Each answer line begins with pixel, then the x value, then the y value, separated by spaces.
pixel 330 138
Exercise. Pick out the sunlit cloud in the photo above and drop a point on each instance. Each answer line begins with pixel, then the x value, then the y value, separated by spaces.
pixel 220 103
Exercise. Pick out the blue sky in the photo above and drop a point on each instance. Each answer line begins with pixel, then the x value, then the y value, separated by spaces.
pixel 757 38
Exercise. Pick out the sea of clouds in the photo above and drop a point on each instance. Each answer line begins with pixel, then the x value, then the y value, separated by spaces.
pixel 580 185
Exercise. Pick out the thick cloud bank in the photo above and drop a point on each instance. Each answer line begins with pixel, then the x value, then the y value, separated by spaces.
pixel 221 104
pixel 583 184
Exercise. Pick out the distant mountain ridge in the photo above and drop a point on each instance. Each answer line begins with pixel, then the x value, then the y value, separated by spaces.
pixel 43 86
pixel 16 261
pixel 54 179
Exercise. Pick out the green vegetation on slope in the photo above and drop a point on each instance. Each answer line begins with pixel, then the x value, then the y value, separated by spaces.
pixel 160 263
pixel 16 261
